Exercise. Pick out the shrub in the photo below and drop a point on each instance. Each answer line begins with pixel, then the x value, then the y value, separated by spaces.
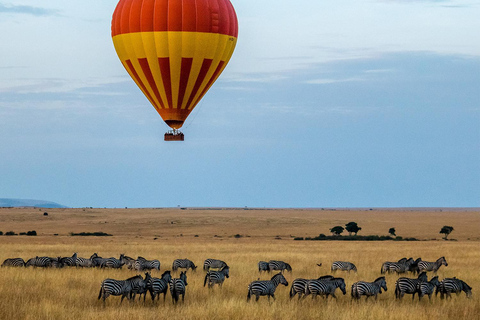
pixel 32 233
pixel 10 233
pixel 1 233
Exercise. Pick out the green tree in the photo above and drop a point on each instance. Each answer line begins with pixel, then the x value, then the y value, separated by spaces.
pixel 446 230
pixel 392 231
pixel 352 227
pixel 337 230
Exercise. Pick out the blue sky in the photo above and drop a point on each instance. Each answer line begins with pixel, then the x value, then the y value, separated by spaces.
pixel 330 104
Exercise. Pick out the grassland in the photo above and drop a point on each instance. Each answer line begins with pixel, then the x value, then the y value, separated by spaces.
pixel 167 234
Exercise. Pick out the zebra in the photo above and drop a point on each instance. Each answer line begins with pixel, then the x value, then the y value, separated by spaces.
pixel 13 262
pixel 426 288
pixel 325 287
pixel 85 263
pixel 298 285
pixel 263 266
pixel 143 264
pixel 408 285
pixel 266 287
pixel 129 262
pixel 69 261
pixel 184 264
pixel 401 266
pixel 362 288
pixel 113 262
pixel 178 286
pixel 344 266
pixel 57 262
pixel 453 285
pixel 414 266
pixel 97 260
pixel 157 286
pixel 432 266
pixel 43 262
pixel 279 265
pixel 139 285
pixel 213 263
pixel 216 277
pixel 112 287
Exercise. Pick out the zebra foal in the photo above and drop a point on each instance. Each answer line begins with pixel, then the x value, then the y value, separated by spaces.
pixel 368 289
pixel 266 287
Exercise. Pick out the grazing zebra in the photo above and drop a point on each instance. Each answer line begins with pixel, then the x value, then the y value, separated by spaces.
pixel 426 288
pixel 178 286
pixel 13 262
pixel 86 263
pixel 42 262
pixel 69 261
pixel 432 266
pixel 343 266
pixel 184 264
pixel 279 266
pixel 408 285
pixel 112 287
pixel 298 286
pixel 368 289
pixel 113 262
pixel 143 264
pixel 266 287
pixel 453 285
pixel 263 266
pixel 216 277
pixel 157 286
pixel 213 263
pixel 57 262
pixel 325 287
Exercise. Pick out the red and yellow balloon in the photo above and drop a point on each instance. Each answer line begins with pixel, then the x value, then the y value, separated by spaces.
pixel 174 50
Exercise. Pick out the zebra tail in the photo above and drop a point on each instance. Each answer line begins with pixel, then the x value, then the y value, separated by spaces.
pixel 174 294
pixel 100 293
pixel 292 292
pixel 205 282
pixel 248 295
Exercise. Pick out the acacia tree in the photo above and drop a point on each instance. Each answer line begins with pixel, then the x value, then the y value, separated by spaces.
pixel 446 230
pixel 392 232
pixel 352 227
pixel 337 230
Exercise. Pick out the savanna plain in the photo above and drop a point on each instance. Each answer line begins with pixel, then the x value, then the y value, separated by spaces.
pixel 240 237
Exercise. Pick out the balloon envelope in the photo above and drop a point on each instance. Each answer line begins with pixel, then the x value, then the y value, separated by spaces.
pixel 174 50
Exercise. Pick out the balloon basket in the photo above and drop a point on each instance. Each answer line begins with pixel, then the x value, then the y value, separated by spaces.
pixel 174 135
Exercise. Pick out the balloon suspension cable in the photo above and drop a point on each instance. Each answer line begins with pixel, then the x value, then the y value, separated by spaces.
pixel 174 135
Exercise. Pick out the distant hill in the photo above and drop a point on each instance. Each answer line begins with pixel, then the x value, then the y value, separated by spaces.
pixel 5 202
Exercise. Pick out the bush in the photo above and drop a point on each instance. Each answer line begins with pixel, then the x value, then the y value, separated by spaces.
pixel 1 233
pixel 32 233
pixel 89 234
pixel 10 233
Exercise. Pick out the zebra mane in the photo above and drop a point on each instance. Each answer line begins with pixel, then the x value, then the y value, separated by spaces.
pixel 165 273
pixel 135 277
pixel 277 275
pixel 379 278
pixel 466 287
pixel 327 277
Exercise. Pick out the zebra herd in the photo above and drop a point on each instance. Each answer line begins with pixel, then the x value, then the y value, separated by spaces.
pixel 217 271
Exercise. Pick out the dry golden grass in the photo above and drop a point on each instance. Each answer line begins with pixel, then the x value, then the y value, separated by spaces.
pixel 67 293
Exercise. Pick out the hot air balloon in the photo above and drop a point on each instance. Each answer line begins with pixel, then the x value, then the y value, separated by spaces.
pixel 174 50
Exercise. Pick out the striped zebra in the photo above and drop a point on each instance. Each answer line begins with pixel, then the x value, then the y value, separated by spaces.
pixel 432 266
pixel 129 262
pixel 13 262
pixel 112 287
pixel 178 287
pixel 408 285
pixel 57 262
pixel 139 285
pixel 453 285
pixel 368 289
pixel 183 264
pixel 263 266
pixel 214 264
pixel 414 266
pixel 69 261
pixel 325 287
pixel 143 264
pixel 97 260
pixel 85 263
pixel 299 284
pixel 113 262
pixel 279 266
pixel 343 266
pixel 157 286
pixel 216 277
pixel 426 288
pixel 266 287
pixel 42 262
pixel 401 266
